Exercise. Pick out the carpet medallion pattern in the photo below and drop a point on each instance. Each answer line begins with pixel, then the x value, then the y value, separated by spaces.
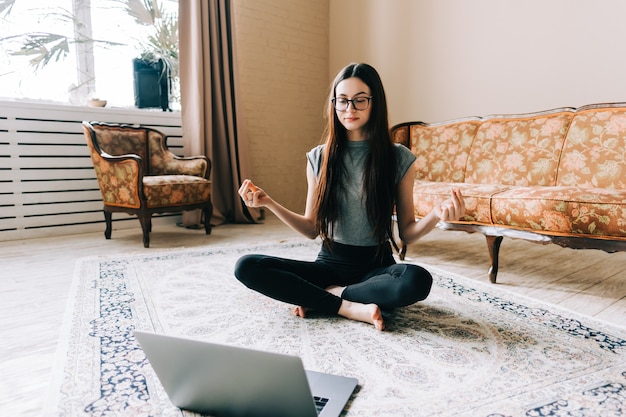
pixel 469 349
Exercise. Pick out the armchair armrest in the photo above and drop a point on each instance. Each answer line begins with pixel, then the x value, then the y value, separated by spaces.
pixel 120 179
pixel 165 162
pixel 171 164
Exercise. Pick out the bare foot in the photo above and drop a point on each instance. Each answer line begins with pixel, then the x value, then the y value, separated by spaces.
pixel 300 311
pixel 367 313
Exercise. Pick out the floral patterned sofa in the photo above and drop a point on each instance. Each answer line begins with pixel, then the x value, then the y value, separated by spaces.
pixel 556 176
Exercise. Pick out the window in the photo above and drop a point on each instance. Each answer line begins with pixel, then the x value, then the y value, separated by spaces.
pixel 92 44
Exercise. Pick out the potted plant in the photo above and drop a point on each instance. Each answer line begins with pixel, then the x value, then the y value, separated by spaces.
pixel 155 71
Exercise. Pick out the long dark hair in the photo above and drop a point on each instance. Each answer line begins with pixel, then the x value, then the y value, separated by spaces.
pixel 379 186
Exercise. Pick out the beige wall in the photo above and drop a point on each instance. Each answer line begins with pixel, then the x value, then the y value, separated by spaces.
pixel 439 59
pixel 443 59
pixel 283 66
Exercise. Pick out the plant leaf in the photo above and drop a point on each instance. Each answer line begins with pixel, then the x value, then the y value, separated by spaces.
pixel 44 47
pixel 6 6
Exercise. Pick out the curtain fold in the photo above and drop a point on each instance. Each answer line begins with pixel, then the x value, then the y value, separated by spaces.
pixel 210 112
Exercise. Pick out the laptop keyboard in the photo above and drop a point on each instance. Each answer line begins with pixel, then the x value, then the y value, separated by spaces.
pixel 320 403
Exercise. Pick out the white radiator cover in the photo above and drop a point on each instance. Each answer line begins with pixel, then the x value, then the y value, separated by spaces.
pixel 47 182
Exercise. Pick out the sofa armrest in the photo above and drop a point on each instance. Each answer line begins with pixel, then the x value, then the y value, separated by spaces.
pixel 400 134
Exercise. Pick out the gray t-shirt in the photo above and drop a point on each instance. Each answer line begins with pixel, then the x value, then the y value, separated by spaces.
pixel 353 227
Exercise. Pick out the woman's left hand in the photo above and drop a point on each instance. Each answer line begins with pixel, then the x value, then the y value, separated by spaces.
pixel 451 209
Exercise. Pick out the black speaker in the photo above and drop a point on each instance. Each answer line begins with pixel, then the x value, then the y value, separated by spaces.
pixel 151 81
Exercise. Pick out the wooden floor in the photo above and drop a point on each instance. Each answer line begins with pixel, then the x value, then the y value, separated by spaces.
pixel 37 273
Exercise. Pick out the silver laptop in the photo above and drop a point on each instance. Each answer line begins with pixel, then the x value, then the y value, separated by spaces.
pixel 222 380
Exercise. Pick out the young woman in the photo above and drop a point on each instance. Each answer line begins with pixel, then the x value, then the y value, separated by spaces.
pixel 355 179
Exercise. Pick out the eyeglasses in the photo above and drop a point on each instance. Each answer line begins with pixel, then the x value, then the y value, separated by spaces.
pixel 358 103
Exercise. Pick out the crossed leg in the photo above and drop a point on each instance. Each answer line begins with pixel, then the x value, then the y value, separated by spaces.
pixel 367 313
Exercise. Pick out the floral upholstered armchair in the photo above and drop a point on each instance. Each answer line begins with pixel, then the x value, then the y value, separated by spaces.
pixel 137 174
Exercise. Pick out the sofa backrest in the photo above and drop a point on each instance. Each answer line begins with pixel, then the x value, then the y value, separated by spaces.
pixel 442 149
pixel 521 150
pixel 594 153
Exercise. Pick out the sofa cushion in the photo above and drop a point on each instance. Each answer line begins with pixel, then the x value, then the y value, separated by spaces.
pixel 518 151
pixel 442 150
pixel 594 154
pixel 563 210
pixel 477 198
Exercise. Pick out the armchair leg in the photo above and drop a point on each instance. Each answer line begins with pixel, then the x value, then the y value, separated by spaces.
pixel 108 219
pixel 146 227
pixel 208 212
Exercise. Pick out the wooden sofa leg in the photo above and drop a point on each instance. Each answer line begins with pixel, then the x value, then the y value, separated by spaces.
pixel 146 227
pixel 108 219
pixel 493 243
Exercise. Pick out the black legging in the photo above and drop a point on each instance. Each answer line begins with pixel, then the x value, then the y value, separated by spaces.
pixel 368 278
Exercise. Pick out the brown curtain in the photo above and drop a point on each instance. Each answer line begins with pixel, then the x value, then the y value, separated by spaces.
pixel 208 84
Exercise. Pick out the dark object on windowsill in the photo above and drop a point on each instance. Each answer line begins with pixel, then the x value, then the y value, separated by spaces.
pixel 151 80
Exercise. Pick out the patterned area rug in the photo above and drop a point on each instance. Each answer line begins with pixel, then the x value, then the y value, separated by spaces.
pixel 470 349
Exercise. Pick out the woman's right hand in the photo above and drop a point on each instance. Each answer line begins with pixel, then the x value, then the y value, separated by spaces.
pixel 252 195
pixel 451 209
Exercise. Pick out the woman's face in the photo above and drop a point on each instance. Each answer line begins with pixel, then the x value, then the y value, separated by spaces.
pixel 352 119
